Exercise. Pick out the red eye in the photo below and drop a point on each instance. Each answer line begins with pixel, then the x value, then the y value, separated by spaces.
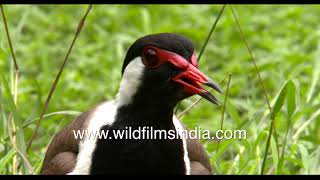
pixel 150 58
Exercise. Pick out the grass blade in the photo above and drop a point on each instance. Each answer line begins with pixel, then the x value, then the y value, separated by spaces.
pixel 196 102
pixel 252 58
pixel 9 38
pixel 78 30
pixel 279 102
pixel 210 33
pixel 224 107
pixel 313 117
pixel 315 75
pixel 305 158
pixel 291 99
pixel 291 108
pixel 274 153
pixel 276 109
pixel 18 143
pixel 262 85
pixel 199 57
pixel 29 122
pixel 15 83
pixel 222 148
pixel 5 160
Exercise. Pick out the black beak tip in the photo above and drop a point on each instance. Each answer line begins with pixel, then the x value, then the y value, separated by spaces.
pixel 214 85
pixel 208 96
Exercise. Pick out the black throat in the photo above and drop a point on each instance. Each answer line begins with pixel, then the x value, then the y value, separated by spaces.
pixel 146 110
pixel 153 102
pixel 140 156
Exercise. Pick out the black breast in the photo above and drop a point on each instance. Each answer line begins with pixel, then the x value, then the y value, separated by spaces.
pixel 137 156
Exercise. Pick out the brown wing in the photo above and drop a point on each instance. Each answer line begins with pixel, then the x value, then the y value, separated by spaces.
pixel 200 163
pixel 63 150
pixel 199 160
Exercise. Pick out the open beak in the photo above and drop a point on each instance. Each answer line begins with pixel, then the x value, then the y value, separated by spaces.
pixel 192 79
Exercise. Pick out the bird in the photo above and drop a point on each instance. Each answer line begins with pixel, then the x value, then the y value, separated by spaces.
pixel 159 70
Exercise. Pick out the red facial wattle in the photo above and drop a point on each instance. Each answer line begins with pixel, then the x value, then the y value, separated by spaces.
pixel 194 60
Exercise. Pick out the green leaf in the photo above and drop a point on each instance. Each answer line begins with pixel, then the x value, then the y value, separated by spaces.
pixel 233 112
pixel 274 153
pixel 314 162
pixel 3 125
pixel 279 102
pixel 304 156
pixel 66 112
pixel 291 98
pixel 20 140
pixel 9 99
pixel 6 159
pixel 257 142
pixel 291 108
pixel 223 147
pixel 280 164
pixel 277 107
pixel 315 76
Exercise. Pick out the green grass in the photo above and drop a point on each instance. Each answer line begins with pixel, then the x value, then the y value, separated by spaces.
pixel 285 40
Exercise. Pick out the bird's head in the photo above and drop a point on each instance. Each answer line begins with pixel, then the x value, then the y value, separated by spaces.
pixel 163 67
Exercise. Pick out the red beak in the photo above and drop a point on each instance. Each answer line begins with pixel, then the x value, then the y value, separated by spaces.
pixel 192 79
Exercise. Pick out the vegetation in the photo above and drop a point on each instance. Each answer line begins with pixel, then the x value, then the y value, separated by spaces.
pixel 284 40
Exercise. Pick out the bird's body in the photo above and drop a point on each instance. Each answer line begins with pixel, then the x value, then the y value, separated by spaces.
pixel 69 155
pixel 152 84
pixel 134 153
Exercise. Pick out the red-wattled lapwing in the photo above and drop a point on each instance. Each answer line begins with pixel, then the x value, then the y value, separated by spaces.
pixel 159 71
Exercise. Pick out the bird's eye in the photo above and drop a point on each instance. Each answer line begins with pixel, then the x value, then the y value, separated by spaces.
pixel 150 58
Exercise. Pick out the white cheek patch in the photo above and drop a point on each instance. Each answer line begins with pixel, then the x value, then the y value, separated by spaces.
pixel 130 82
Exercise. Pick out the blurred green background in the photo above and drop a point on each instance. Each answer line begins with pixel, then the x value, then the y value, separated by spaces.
pixel 285 41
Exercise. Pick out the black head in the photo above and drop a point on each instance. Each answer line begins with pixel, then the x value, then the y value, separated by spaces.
pixel 166 41
pixel 168 69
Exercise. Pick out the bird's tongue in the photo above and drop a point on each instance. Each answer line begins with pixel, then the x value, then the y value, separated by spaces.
pixel 192 79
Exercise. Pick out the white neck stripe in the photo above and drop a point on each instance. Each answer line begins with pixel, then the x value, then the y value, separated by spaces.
pixel 130 81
